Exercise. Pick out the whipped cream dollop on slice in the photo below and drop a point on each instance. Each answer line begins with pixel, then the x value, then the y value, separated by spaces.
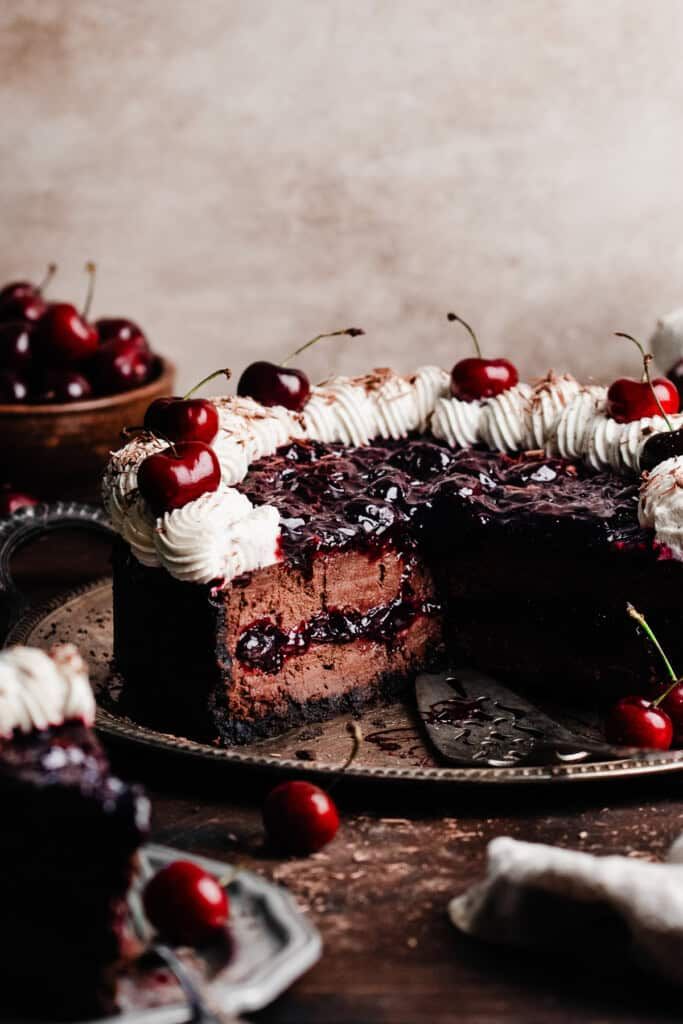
pixel 39 690
pixel 503 421
pixel 661 505
pixel 217 537
pixel 549 398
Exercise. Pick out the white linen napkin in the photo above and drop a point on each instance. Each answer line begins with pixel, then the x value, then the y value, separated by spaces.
pixel 600 909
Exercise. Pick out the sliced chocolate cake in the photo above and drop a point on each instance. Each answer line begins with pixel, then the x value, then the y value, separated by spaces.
pixel 321 556
pixel 68 845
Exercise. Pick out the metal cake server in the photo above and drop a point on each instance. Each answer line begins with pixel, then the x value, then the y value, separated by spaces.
pixel 475 721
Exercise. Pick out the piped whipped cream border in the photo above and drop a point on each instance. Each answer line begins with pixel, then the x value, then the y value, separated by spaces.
pixel 222 534
pixel 39 690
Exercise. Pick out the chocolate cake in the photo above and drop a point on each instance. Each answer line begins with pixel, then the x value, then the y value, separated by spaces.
pixel 384 528
pixel 68 846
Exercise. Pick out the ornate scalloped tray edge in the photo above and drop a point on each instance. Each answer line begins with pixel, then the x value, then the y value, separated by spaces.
pixel 395 746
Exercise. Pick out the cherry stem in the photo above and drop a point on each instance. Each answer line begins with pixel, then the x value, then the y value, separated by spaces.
pixel 91 270
pixel 454 318
pixel 352 332
pixel 354 731
pixel 642 622
pixel 647 359
pixel 50 273
pixel 212 376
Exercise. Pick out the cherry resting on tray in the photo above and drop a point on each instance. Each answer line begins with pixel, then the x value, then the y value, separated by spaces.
pixel 64 337
pixel 186 418
pixel 629 399
pixel 21 300
pixel 185 903
pixel 271 384
pixel 637 722
pixel 177 475
pixel 475 378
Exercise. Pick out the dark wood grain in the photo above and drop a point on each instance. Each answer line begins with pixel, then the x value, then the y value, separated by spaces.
pixel 379 892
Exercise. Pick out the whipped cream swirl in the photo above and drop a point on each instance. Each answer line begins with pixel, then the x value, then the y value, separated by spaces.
pixel 217 537
pixel 456 422
pixel 549 397
pixel 503 423
pixel 570 434
pixel 661 506
pixel 39 690
pixel 617 446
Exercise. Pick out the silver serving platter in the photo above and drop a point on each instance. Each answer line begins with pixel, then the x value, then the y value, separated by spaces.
pixel 395 747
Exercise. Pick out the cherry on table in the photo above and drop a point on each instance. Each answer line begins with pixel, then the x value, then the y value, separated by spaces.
pixel 300 818
pixel 16 345
pixel 120 365
pixel 636 722
pixel 476 378
pixel 185 903
pixel 13 387
pixel 11 500
pixel 178 475
pixel 61 385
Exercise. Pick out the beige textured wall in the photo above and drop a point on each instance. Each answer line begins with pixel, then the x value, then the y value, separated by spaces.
pixel 250 172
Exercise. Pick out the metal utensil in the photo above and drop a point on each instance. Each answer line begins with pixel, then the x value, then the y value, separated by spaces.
pixel 200 1012
pixel 475 721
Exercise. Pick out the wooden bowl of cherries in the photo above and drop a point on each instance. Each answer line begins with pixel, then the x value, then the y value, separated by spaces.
pixel 68 386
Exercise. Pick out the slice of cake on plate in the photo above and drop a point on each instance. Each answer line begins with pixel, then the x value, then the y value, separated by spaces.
pixel 68 843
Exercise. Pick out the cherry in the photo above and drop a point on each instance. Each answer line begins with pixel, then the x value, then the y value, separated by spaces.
pixel 58 385
pixel 475 378
pixel 120 365
pixel 13 387
pixel 22 300
pixel 637 722
pixel 11 500
pixel 119 329
pixel 629 399
pixel 672 705
pixel 185 903
pixel 271 384
pixel 186 418
pixel 64 335
pixel 15 345
pixel 299 817
pixel 179 474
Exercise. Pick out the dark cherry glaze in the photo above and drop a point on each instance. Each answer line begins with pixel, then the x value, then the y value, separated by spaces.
pixel 331 497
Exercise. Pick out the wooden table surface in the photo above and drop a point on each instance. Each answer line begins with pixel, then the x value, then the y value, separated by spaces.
pixel 379 892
